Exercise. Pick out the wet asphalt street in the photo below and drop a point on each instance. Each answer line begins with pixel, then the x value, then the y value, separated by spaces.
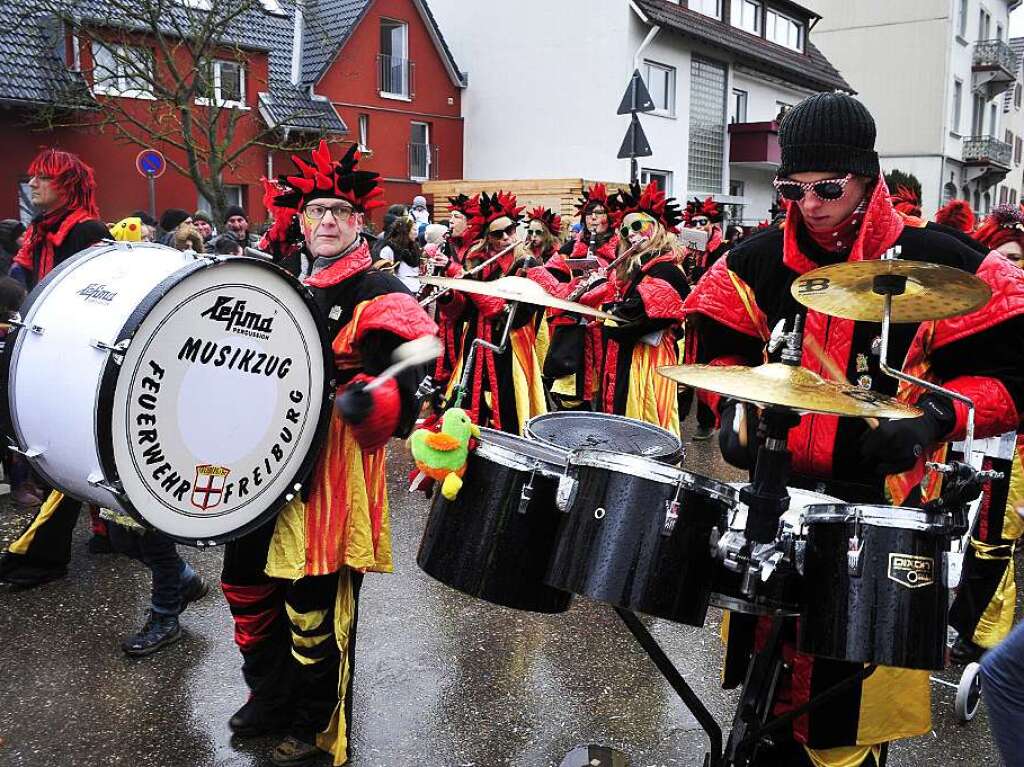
pixel 442 680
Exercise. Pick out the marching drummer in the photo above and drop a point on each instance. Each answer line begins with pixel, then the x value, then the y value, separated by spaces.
pixel 840 211
pixel 293 586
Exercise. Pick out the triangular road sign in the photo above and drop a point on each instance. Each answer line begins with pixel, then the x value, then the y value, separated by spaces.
pixel 635 144
pixel 637 98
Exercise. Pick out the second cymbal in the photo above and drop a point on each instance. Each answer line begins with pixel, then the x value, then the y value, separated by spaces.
pixel 514 288
pixel 933 291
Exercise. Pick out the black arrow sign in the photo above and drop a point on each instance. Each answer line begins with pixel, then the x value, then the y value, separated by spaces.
pixel 637 98
pixel 635 144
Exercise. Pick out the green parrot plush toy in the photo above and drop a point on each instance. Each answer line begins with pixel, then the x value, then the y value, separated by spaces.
pixel 442 455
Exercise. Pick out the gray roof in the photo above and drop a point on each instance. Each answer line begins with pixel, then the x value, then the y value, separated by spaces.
pixel 809 69
pixel 30 71
pixel 328 25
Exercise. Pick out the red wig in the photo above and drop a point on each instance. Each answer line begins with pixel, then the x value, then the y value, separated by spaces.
pixel 956 214
pixel 73 179
pixel 1004 224
pixel 906 201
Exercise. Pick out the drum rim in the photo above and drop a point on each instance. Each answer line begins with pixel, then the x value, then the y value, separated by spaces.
pixel 112 371
pixel 569 415
pixel 15 337
pixel 505 456
pixel 650 469
pixel 876 515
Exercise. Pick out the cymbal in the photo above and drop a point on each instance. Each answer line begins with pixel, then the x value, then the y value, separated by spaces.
pixel 933 292
pixel 514 288
pixel 789 386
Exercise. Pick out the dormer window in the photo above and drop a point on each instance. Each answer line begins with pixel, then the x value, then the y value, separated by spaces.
pixel 784 30
pixel 746 15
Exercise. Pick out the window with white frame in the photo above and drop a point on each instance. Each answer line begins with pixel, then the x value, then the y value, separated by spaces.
pixel 121 70
pixel 26 210
pixel 948 192
pixel 746 14
pixel 661 83
pixel 394 58
pixel 419 152
pixel 712 8
pixel 224 85
pixel 961 22
pixel 984 23
pixel 364 133
pixel 233 195
pixel 781 29
pixel 1002 195
pixel 663 178
pixel 738 106
pixel 1018 145
pixel 958 97
pixel 707 126
pixel 1016 95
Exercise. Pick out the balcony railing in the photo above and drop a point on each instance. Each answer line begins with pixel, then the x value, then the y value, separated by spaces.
pixel 423 161
pixel 993 54
pixel 987 150
pixel 395 76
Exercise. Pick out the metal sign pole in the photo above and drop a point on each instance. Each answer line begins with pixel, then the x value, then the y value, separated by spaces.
pixel 151 180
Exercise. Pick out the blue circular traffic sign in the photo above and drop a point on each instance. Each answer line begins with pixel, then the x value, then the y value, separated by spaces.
pixel 150 163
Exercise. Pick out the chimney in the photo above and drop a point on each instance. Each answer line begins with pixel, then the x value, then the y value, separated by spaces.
pixel 297 32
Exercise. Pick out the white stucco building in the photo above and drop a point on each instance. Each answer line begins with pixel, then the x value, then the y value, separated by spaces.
pixel 944 86
pixel 545 81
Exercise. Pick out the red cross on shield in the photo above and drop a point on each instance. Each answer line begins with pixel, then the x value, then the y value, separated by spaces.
pixel 208 488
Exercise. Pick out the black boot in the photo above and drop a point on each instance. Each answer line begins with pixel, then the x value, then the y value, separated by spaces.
pixel 20 574
pixel 255 719
pixel 193 590
pixel 965 651
pixel 158 631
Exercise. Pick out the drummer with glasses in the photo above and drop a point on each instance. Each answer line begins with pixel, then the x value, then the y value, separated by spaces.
pixel 293 585
pixel 503 389
pixel 839 210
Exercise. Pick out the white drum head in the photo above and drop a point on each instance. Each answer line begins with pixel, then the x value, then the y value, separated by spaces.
pixel 218 402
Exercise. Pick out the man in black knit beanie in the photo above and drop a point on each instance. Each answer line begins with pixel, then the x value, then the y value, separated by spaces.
pixel 838 209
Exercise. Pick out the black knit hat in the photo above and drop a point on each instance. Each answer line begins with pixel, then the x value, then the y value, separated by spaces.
pixel 172 217
pixel 828 132
pixel 234 210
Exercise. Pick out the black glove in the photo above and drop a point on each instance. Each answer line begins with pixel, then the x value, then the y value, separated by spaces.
pixel 736 453
pixel 896 445
pixel 355 403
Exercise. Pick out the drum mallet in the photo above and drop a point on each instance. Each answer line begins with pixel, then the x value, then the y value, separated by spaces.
pixel 415 352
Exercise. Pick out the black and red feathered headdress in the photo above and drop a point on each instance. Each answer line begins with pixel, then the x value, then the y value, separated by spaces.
pixel 323 177
pixel 495 206
pixel 706 207
pixel 906 201
pixel 957 214
pixel 650 200
pixel 1003 224
pixel 467 206
pixel 595 195
pixel 548 217
pixel 284 231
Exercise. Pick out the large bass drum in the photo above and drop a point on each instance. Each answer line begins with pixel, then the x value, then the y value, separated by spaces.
pixel 187 391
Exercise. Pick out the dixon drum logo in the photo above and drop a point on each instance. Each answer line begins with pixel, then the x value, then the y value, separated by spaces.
pixel 232 313
pixel 912 571
pixel 208 489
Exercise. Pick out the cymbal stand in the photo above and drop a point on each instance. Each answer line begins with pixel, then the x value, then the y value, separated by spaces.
pixel 498 348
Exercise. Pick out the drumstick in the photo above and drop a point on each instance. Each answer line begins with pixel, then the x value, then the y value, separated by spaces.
pixel 411 353
pixel 831 367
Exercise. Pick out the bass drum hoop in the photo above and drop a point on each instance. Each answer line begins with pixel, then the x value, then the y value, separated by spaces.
pixel 12 342
pixel 112 371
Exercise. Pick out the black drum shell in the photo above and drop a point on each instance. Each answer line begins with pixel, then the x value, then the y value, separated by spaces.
pixel 623 557
pixel 872 617
pixel 484 545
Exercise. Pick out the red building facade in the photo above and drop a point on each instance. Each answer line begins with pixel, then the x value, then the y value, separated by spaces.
pixel 378 73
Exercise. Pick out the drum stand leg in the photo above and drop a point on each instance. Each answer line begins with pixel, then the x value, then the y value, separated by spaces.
pixel 755 701
pixel 674 678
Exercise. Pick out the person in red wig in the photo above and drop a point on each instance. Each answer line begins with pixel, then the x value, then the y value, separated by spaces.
pixel 956 214
pixel 63 191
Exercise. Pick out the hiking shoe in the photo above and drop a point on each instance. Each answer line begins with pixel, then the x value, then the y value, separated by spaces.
pixel 158 631
pixel 965 651
pixel 254 719
pixel 193 590
pixel 292 752
pixel 26 576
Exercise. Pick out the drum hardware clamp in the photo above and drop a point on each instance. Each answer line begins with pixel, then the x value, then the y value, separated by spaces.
pixel 527 493
pixel 97 480
pixel 117 349
pixel 28 452
pixel 672 511
pixel 37 329
pixel 853 556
